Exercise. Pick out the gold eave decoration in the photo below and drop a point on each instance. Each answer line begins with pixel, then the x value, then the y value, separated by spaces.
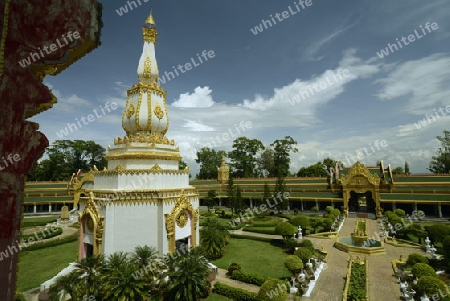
pixel 152 138
pixel 157 168
pixel 353 177
pixel 182 219
pixel 130 111
pixel 143 155
pixel 158 112
pixel 141 171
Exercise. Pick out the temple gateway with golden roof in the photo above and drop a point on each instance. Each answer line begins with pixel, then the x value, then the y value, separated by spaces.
pixel 142 198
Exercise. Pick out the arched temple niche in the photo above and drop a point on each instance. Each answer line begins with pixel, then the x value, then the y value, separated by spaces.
pixel 359 180
pixel 182 215
pixel 91 230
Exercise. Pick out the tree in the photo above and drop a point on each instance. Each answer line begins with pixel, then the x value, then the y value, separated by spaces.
pixel 239 205
pixel 266 194
pixel 315 170
pixel 182 165
pixel 188 277
pixel 430 285
pixel 440 163
pixel 397 171
pixel 422 269
pixel 243 157
pixel 282 149
pixel 285 229
pixel 90 270
pixel 279 190
pixel 273 290
pixel 209 160
pixel 306 243
pixel 66 157
pixel 231 194
pixel 407 168
pixel 266 163
pixel 210 199
pixel 293 264
pixel 69 284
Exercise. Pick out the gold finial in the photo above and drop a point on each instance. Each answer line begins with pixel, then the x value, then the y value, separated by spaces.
pixel 150 19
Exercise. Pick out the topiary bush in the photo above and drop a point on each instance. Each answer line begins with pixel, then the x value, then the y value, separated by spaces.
pixel 437 232
pixel 422 269
pixel 294 264
pixel 315 209
pixel 273 290
pixel 430 285
pixel 306 243
pixel 400 212
pixel 335 212
pixel 233 267
pixel 285 229
pixel 234 293
pixel 328 209
pixel 303 253
pixel 414 258
pixel 301 220
pixel 249 278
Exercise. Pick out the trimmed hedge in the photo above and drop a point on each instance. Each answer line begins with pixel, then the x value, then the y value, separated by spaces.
pixel 262 230
pixel 236 294
pixel 28 224
pixel 52 243
pixel 265 239
pixel 44 234
pixel 249 278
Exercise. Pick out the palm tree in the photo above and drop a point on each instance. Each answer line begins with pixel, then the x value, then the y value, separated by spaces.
pixel 187 275
pixel 144 255
pixel 90 270
pixel 116 261
pixel 121 283
pixel 213 238
pixel 66 285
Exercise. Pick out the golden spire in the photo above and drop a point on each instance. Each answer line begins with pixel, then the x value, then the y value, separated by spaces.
pixel 150 19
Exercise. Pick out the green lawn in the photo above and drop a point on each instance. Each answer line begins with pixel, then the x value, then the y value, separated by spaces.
pixel 255 257
pixel 36 267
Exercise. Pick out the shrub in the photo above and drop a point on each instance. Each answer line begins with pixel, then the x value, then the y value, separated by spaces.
pixel 306 243
pixel 357 285
pixel 328 209
pixel 422 269
pixel 44 234
pixel 234 293
pixel 291 244
pixel 330 216
pixel 295 211
pixel 233 267
pixel 438 232
pixel 301 220
pixel 335 212
pixel 315 209
pixel 285 229
pixel 249 278
pixel 293 264
pixel 327 223
pixel 414 258
pixel 446 247
pixel 400 212
pixel 273 290
pixel 430 285
pixel 303 253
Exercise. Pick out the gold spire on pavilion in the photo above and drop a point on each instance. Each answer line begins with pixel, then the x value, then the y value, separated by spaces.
pixel 150 19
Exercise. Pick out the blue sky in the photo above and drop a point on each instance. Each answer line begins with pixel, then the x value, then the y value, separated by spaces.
pixel 257 78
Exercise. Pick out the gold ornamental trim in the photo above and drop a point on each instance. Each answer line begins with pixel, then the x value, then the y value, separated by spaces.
pixel 130 111
pixel 182 219
pixel 94 221
pixel 158 138
pixel 147 87
pixel 158 112
pixel 147 68
pixel 143 155
pixel 150 34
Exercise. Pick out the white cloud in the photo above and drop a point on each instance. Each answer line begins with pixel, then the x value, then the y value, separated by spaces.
pixel 201 98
